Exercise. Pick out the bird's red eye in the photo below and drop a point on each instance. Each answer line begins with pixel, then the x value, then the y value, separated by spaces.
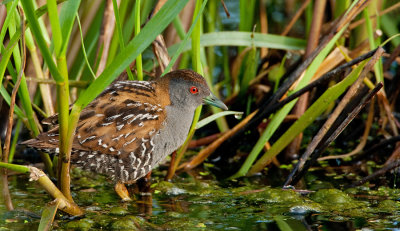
pixel 194 90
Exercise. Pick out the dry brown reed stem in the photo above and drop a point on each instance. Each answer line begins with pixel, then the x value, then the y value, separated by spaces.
pixel 264 27
pixel 335 114
pixel 206 152
pixel 363 141
pixel 302 104
pixel 295 17
pixel 65 205
pixel 204 141
pixel 161 52
pixel 171 167
pixel 225 9
pixel 3 14
pixel 5 191
pixel 106 34
pixel 316 24
pixel 170 35
pixel 7 140
pixel 331 61
pixel 388 111
pixel 383 12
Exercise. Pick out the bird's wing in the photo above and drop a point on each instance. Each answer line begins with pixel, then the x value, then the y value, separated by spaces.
pixel 120 119
pixel 120 125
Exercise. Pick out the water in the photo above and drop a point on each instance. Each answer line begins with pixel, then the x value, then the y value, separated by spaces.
pixel 239 116
pixel 189 204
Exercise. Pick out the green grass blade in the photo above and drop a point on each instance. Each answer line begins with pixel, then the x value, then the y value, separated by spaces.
pixel 7 52
pixel 52 11
pixel 67 18
pixel 48 214
pixel 247 11
pixel 213 117
pixel 378 69
pixel 15 167
pixel 390 28
pixel 233 38
pixel 7 21
pixel 139 62
pixel 83 48
pixel 77 69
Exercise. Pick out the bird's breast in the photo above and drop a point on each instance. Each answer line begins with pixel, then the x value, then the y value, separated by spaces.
pixel 172 134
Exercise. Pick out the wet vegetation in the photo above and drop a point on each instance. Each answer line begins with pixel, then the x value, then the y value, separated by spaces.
pixel 315 147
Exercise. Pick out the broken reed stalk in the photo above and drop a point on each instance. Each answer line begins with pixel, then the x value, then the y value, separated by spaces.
pixel 65 205
pixel 38 175
pixel 332 118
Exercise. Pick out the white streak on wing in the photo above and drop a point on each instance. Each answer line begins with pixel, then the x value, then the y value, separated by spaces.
pixel 88 138
pixel 117 138
pixel 129 142
pixel 113 117
pixel 119 127
pixel 128 117
pixel 144 146
pixel 106 124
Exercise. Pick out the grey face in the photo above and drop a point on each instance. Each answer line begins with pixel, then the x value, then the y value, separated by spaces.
pixel 187 94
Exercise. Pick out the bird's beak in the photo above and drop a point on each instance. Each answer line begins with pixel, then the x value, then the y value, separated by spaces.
pixel 214 101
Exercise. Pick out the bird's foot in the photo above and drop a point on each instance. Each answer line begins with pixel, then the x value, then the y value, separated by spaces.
pixel 122 192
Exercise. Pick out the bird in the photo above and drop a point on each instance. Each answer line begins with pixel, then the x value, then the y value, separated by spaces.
pixel 129 128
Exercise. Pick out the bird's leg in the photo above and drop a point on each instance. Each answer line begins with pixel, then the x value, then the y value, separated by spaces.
pixel 122 191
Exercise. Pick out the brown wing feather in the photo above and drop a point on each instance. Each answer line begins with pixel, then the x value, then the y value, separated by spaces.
pixel 119 120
